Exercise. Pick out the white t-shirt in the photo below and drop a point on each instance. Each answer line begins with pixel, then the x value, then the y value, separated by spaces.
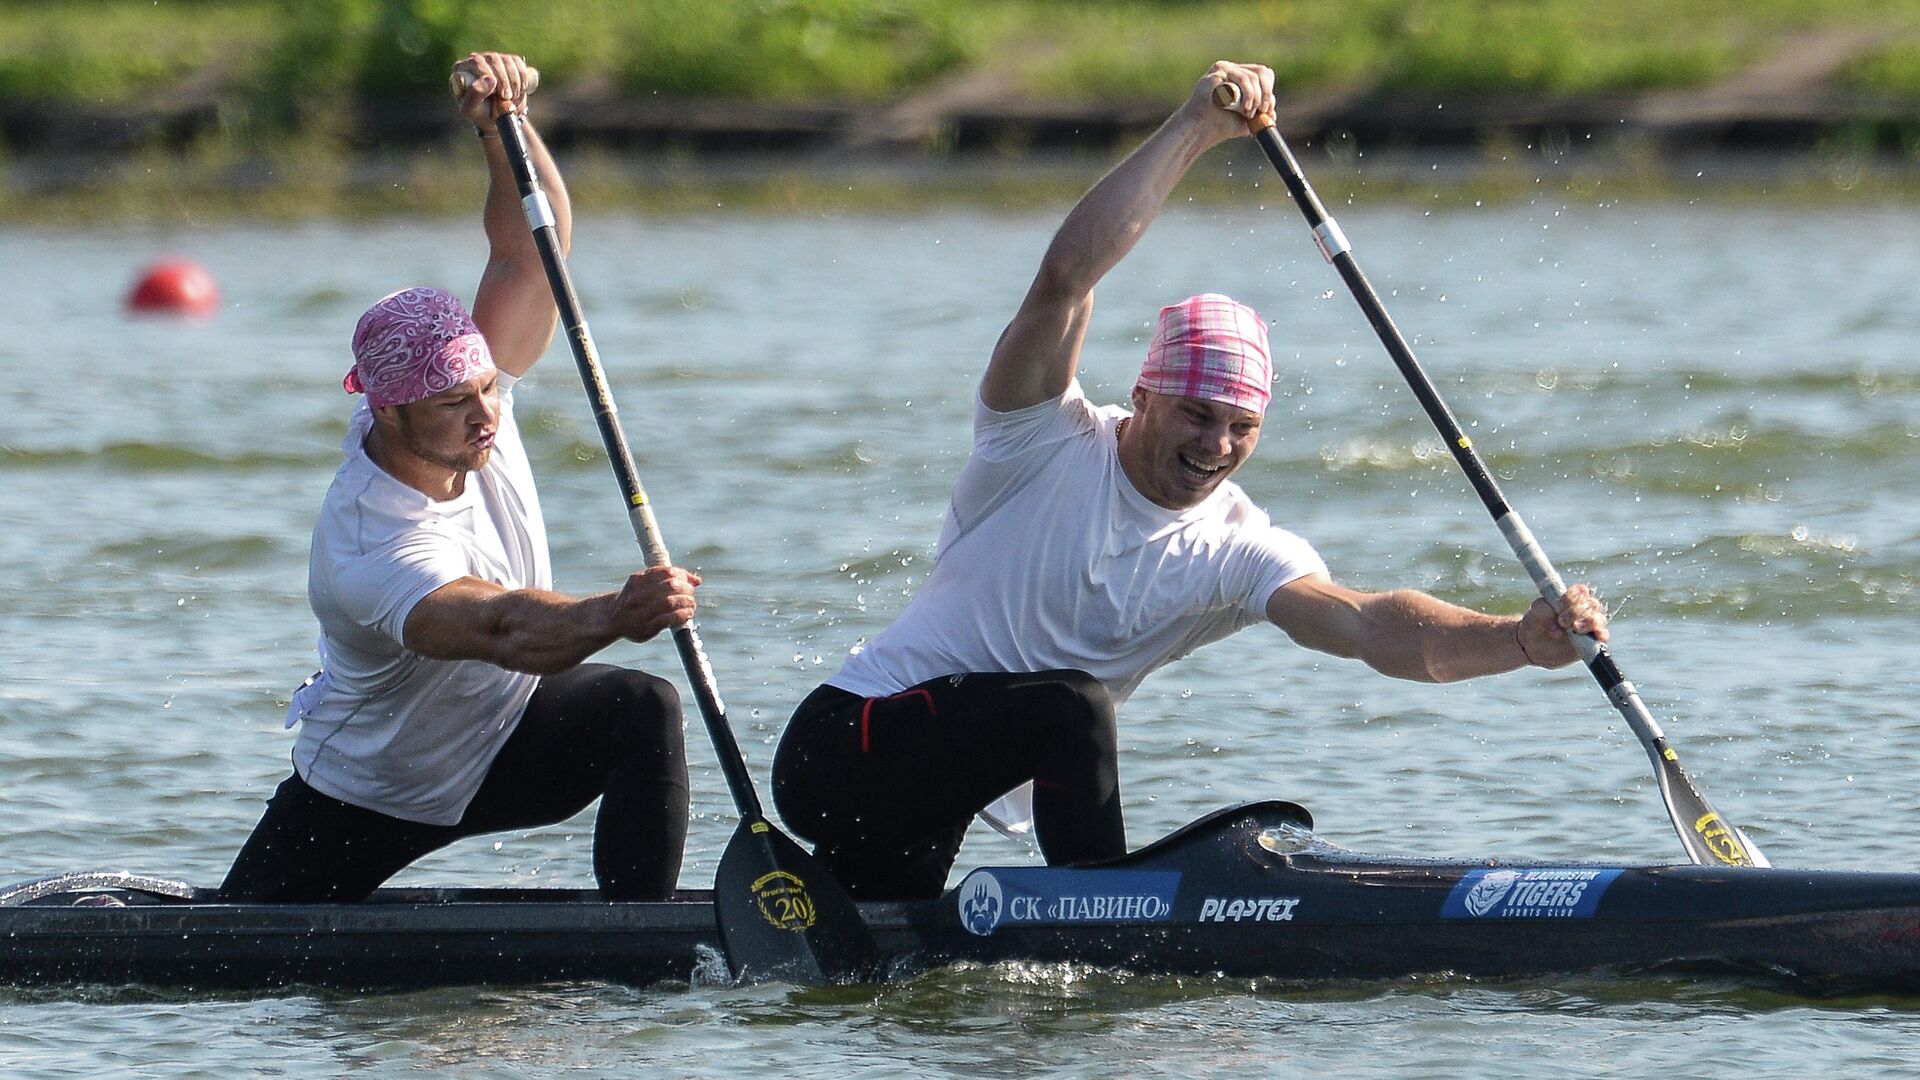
pixel 383 727
pixel 1051 559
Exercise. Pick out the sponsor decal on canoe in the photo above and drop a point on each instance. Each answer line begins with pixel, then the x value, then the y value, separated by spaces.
pixel 784 901
pixel 1248 908
pixel 990 898
pixel 1530 893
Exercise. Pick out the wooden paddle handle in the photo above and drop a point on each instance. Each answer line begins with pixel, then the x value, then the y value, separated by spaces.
pixel 459 81
pixel 1227 96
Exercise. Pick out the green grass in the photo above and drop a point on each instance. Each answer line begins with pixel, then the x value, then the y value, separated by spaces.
pixel 1148 49
pixel 784 50
pixel 1894 69
pixel 260 51
pixel 281 69
pixel 114 51
pixel 1553 46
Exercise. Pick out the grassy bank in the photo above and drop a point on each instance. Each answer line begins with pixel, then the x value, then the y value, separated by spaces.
pixel 258 147
pixel 248 52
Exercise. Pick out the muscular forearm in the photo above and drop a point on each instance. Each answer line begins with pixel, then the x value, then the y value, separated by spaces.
pixel 1411 635
pixel 539 631
pixel 527 629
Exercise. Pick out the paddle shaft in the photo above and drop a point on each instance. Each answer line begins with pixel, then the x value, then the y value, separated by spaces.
pixel 1706 836
pixel 639 511
pixel 780 913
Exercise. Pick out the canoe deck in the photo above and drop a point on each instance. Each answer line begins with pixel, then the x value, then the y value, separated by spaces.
pixel 1248 891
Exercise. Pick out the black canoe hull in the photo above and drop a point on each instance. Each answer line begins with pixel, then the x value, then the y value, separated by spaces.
pixel 1244 892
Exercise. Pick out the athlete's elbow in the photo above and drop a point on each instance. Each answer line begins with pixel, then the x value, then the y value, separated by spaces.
pixel 1066 275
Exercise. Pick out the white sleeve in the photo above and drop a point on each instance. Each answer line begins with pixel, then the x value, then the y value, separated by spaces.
pixel 1009 448
pixel 1267 559
pixel 379 589
pixel 1000 436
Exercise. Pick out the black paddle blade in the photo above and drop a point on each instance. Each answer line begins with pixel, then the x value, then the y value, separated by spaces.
pixel 1713 840
pixel 784 918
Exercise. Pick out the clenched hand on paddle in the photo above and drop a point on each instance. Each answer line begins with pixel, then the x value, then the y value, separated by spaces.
pixel 780 914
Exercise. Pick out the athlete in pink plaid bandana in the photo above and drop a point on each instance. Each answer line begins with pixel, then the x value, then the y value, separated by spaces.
pixel 1085 547
pixel 1211 347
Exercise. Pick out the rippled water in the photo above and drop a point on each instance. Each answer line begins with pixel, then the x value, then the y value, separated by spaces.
pixel 1711 411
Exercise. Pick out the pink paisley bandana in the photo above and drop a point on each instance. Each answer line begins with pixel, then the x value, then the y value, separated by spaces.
pixel 1211 347
pixel 414 344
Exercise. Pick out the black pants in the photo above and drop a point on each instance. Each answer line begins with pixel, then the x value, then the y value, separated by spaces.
pixel 886 787
pixel 594 731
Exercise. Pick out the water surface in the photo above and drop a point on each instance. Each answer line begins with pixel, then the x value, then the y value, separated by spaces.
pixel 1711 411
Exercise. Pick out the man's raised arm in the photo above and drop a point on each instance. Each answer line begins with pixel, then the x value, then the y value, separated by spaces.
pixel 512 306
pixel 1040 349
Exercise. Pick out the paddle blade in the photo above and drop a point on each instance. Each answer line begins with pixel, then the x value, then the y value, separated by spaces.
pixel 1710 839
pixel 784 918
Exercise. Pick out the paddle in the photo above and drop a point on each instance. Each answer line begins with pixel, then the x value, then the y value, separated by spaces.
pixel 781 915
pixel 1706 835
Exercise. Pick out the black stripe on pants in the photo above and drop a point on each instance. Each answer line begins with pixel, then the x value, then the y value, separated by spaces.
pixel 886 787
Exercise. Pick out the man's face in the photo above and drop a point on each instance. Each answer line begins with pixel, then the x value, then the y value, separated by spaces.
pixel 1177 450
pixel 455 428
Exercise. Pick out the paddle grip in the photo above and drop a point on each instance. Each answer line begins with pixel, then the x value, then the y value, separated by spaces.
pixel 459 81
pixel 1227 96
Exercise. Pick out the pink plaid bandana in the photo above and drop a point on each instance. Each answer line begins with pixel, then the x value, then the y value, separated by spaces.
pixel 414 344
pixel 1209 346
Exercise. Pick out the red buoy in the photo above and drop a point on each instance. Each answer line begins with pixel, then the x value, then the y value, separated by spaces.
pixel 175 287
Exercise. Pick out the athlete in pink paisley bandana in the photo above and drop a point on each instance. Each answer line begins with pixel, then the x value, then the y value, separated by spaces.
pixel 457 694
pixel 414 344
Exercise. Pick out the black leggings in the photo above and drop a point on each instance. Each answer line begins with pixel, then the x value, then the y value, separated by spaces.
pixel 593 731
pixel 886 787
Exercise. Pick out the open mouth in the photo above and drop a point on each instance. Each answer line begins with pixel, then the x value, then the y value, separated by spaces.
pixel 1198 471
pixel 483 443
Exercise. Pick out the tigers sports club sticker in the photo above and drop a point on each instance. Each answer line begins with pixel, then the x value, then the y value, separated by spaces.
pixel 1538 892
pixel 783 901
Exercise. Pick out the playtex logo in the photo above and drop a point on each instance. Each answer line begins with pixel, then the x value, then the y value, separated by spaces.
pixel 1531 893
pixel 993 897
pixel 1248 908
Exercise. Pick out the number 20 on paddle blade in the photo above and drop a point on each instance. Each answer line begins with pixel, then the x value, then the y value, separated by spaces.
pixel 1726 843
pixel 783 917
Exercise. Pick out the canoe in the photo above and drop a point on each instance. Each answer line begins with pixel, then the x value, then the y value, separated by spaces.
pixel 1248 891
